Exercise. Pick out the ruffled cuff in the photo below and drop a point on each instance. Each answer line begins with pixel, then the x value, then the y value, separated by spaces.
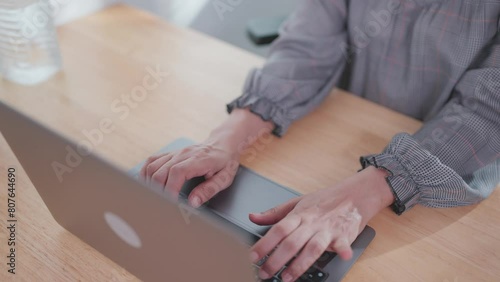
pixel 417 176
pixel 403 187
pixel 264 108
pixel 264 96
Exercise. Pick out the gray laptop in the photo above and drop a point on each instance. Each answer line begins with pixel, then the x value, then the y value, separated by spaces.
pixel 140 228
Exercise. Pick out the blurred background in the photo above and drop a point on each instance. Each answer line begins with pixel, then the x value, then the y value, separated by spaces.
pixel 223 19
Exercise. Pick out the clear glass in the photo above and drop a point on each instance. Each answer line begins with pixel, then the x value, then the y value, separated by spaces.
pixel 29 49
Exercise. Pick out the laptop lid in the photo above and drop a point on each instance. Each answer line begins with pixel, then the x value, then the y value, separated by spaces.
pixel 141 230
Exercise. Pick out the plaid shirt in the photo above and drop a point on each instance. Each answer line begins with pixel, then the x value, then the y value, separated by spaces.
pixel 435 60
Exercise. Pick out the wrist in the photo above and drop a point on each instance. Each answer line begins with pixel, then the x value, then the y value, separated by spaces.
pixel 239 130
pixel 378 184
pixel 370 191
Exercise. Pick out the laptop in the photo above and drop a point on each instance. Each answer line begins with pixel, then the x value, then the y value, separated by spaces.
pixel 142 229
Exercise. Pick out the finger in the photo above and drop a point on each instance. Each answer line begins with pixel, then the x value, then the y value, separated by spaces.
pixel 274 236
pixel 312 251
pixel 155 169
pixel 342 246
pixel 210 187
pixel 155 165
pixel 142 172
pixel 180 172
pixel 169 158
pixel 162 167
pixel 275 214
pixel 342 239
pixel 286 250
pixel 346 233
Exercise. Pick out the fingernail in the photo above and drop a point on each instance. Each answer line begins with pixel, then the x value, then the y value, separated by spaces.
pixel 263 274
pixel 195 202
pixel 287 277
pixel 254 257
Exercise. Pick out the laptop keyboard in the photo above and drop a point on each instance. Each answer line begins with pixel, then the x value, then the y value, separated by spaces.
pixel 313 274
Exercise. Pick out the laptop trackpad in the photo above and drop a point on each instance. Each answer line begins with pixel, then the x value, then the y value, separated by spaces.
pixel 249 193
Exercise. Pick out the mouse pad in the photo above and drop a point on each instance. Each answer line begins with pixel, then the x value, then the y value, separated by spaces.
pixel 249 193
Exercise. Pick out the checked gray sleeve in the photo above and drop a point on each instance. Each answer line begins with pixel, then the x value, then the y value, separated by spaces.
pixel 454 159
pixel 305 63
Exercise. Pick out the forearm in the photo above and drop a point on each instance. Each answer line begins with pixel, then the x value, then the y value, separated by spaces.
pixel 376 191
pixel 304 64
pixel 454 159
pixel 240 130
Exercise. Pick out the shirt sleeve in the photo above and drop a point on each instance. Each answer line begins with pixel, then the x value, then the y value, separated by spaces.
pixel 454 159
pixel 304 64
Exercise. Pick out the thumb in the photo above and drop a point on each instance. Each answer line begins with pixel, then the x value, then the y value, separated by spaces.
pixel 210 187
pixel 274 215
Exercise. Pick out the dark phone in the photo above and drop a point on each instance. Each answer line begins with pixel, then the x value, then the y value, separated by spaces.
pixel 265 30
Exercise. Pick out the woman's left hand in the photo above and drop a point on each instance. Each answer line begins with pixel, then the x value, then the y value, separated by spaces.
pixel 327 220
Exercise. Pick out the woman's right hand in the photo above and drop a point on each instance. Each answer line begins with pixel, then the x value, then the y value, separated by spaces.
pixel 211 159
pixel 217 158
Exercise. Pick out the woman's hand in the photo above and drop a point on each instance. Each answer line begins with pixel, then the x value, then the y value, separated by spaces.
pixel 327 220
pixel 217 159
pixel 210 159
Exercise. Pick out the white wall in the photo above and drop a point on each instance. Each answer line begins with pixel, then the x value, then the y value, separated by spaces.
pixel 68 10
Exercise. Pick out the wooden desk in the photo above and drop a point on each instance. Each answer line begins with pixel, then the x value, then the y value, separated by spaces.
pixel 105 58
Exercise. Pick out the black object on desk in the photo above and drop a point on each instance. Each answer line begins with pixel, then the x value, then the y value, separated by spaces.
pixel 264 31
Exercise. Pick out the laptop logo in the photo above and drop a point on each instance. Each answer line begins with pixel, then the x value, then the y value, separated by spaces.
pixel 123 230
